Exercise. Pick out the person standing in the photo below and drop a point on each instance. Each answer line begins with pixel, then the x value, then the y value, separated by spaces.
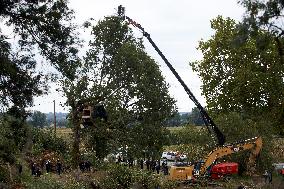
pixel 58 167
pixel 158 167
pixel 48 166
pixel 270 177
pixel 265 175
pixel 20 168
pixel 88 165
pixel 148 164
pixel 33 168
pixel 153 165
pixel 141 164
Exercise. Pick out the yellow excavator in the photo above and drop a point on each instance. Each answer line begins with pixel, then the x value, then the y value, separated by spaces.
pixel 188 172
pixel 191 172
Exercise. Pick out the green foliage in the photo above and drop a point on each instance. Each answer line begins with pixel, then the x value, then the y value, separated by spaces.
pixel 44 182
pixel 120 176
pixel 118 71
pixel 267 16
pixel 18 80
pixel 7 143
pixel 37 25
pixel 178 119
pixel 189 135
pixel 263 15
pixel 194 141
pixel 241 78
pixel 45 140
pixel 53 182
pixel 13 136
pixel 46 24
pixel 239 128
pixel 38 119
pixel 195 117
pixel 4 175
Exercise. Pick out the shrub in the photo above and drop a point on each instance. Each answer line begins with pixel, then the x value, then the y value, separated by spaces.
pixel 120 176
pixel 45 140
pixel 4 175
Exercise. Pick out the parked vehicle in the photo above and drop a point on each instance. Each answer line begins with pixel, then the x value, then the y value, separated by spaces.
pixel 222 170
pixel 169 155
pixel 182 157
pixel 279 167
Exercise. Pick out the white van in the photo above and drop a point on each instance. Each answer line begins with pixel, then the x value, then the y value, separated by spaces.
pixel 169 155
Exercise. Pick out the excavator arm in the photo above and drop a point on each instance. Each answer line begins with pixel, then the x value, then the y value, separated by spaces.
pixel 254 145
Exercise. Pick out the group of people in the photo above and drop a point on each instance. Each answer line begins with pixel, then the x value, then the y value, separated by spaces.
pixel 151 165
pixel 85 166
pixel 37 171
pixel 156 166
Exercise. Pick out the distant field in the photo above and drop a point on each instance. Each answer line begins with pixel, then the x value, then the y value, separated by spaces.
pixel 175 128
pixel 65 133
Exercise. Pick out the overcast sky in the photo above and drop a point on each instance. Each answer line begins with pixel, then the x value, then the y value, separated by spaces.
pixel 175 26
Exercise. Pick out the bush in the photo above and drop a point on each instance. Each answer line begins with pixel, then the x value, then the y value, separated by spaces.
pixel 4 175
pixel 45 140
pixel 189 135
pixel 120 176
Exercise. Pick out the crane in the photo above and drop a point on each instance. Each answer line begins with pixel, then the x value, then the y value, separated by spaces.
pixel 211 126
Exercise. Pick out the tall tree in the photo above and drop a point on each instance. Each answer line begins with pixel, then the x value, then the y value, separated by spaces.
pixel 195 117
pixel 44 24
pixel 266 16
pixel 240 78
pixel 118 72
pixel 263 15
pixel 39 26
pixel 38 119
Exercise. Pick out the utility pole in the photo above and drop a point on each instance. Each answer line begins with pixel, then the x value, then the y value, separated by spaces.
pixel 54 118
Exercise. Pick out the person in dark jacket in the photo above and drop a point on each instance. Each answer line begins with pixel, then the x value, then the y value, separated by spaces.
pixel 141 164
pixel 33 168
pixel 158 167
pixel 58 167
pixel 148 164
pixel 88 165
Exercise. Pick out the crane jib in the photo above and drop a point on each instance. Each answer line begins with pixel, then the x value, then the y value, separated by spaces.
pixel 206 118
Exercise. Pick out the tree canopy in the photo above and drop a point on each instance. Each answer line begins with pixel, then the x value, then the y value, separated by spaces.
pixel 240 78
pixel 118 73
pixel 45 25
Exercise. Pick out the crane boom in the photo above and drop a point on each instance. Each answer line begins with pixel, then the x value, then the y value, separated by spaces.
pixel 211 126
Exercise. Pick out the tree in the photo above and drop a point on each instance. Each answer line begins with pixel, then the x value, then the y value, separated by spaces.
pixel 38 119
pixel 174 120
pixel 195 117
pixel 263 15
pixel 118 73
pixel 43 27
pixel 266 16
pixel 240 78
pixel 44 24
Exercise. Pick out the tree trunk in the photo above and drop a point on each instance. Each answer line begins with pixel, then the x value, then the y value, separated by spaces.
pixel 280 49
pixel 76 143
